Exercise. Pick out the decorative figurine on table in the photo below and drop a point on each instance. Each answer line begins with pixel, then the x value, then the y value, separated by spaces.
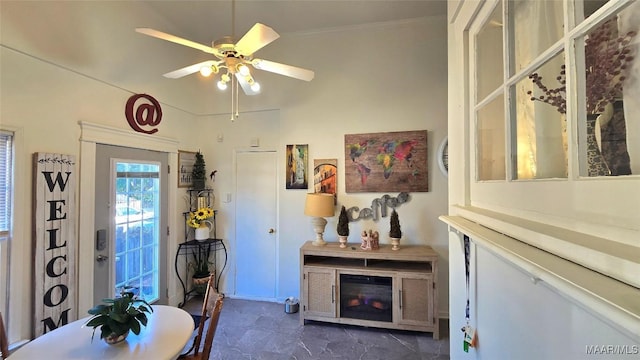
pixel 370 241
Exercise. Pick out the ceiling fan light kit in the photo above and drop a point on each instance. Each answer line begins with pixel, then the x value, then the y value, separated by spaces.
pixel 235 57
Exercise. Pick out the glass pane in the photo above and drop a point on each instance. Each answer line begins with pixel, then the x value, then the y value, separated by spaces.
pixel 120 269
pixel 137 227
pixel 490 139
pixel 540 122
pixel 489 73
pixel 536 25
pixel 589 7
pixel 609 137
pixel 133 265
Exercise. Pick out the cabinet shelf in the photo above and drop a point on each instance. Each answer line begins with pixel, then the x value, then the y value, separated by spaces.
pixel 411 296
pixel 370 264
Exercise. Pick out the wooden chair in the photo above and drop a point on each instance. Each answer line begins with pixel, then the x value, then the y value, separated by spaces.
pixel 4 342
pixel 211 307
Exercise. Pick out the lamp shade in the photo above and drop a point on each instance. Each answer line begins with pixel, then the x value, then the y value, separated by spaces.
pixel 319 205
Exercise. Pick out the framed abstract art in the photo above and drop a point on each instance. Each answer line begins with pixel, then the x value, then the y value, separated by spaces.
pixel 386 162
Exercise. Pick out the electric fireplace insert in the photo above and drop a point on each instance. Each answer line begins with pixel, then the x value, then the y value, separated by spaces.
pixel 366 297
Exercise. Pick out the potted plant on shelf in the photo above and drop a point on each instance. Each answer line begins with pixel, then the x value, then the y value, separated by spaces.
pixel 200 266
pixel 198 176
pixel 116 317
pixel 394 232
pixel 343 227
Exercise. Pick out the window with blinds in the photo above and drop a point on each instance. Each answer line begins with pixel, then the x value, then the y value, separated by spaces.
pixel 6 196
pixel 6 188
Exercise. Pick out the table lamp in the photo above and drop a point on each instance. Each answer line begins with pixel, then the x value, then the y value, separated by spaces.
pixel 319 205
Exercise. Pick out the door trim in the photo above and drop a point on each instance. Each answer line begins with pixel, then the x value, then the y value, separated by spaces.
pixel 90 135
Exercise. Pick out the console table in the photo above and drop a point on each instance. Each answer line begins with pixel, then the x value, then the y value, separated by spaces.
pixel 199 198
pixel 377 288
pixel 185 248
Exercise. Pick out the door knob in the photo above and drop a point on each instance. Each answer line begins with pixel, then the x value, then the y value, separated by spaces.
pixel 271 231
pixel 101 258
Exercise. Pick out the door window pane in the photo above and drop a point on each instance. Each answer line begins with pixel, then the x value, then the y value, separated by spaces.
pixel 541 144
pixel 609 134
pixel 489 69
pixel 137 228
pixel 490 139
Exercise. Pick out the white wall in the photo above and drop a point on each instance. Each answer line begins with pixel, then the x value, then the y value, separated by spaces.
pixel 385 78
pixel 517 318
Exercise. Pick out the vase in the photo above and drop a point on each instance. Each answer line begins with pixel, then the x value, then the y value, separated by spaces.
pixel 343 241
pixel 202 232
pixel 395 243
pixel 200 284
pixel 596 164
pixel 113 339
pixel 198 184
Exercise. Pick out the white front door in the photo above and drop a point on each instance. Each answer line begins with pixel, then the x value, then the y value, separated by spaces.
pixel 256 236
pixel 130 213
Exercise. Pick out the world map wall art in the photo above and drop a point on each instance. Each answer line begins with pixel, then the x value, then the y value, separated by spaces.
pixel 382 162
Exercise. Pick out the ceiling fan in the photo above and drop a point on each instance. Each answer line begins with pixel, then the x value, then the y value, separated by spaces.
pixel 234 57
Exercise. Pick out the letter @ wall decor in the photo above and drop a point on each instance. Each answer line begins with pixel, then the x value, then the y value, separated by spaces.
pixel 55 241
pixel 144 115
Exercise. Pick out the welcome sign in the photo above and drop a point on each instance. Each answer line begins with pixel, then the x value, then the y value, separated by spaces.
pixel 55 241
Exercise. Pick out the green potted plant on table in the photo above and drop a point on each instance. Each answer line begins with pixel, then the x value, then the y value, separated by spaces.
pixel 394 230
pixel 343 227
pixel 116 317
pixel 200 266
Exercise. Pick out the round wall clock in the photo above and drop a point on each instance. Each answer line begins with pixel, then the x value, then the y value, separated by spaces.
pixel 443 156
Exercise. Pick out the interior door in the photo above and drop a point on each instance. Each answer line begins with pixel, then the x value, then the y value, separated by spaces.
pixel 130 245
pixel 256 239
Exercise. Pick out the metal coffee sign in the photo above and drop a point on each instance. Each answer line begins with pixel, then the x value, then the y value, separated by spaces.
pixel 55 241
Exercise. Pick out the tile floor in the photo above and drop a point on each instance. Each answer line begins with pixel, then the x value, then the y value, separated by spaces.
pixel 262 330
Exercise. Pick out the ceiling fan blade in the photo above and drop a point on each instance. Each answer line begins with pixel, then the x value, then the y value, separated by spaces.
pixel 245 85
pixel 283 69
pixel 175 39
pixel 188 70
pixel 255 39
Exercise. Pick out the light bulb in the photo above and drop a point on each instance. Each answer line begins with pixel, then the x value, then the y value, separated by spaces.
pixel 255 86
pixel 206 71
pixel 222 85
pixel 243 69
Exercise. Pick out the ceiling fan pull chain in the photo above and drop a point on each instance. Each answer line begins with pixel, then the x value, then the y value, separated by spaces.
pixel 233 84
pixel 237 100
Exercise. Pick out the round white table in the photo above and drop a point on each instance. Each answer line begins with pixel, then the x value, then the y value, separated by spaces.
pixel 165 336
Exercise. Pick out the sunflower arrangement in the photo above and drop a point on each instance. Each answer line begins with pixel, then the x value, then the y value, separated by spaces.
pixel 197 217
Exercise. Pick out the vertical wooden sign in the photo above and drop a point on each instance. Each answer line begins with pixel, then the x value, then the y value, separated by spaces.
pixel 55 241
